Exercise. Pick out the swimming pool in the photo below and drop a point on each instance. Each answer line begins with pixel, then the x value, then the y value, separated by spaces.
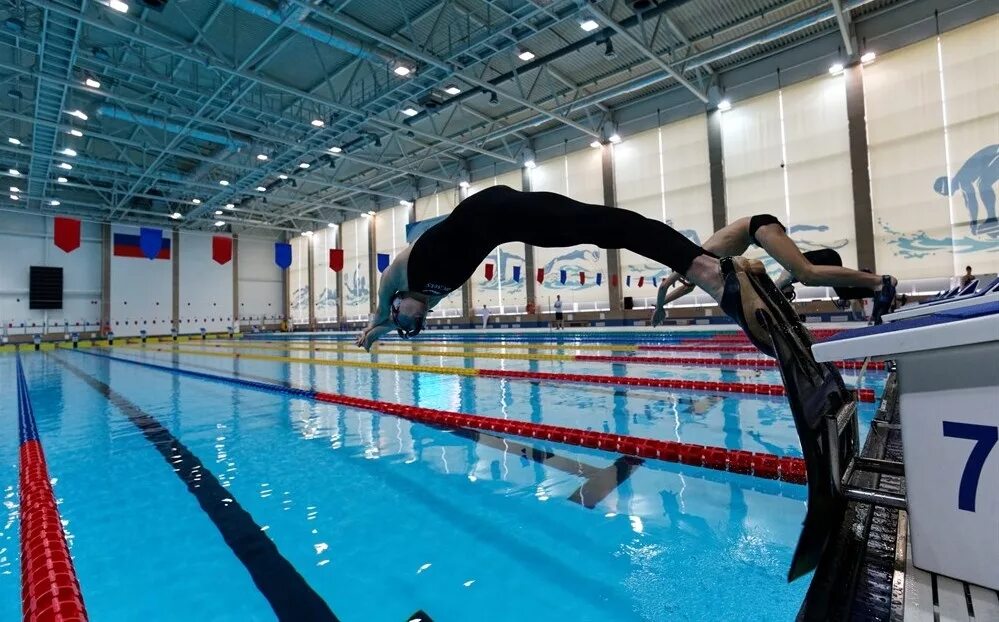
pixel 186 498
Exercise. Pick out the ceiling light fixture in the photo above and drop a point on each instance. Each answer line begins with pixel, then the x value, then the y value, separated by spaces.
pixel 402 70
pixel 409 111
pixel 61 180
pixel 525 54
pixel 452 89
pixel 223 182
pixel 615 138
pixel 14 172
pixel 79 114
pixel 405 203
pixel 94 84
pixel 15 189
pixel 836 68
pixel 530 163
pixel 282 176
pixel 493 98
pixel 196 201
pixel 318 123
pixel 331 225
pixel 595 144
pixel 66 166
pixel 307 234
pixel 14 197
pixel 54 203
pixel 724 105
pixel 589 25
pixel 464 184
pixel 230 206
pixel 69 152
pixel 75 132
pixel 262 157
pixel 868 57
pixel 304 165
pixel 371 212
pixel 219 223
pixel 335 150
pixel 176 215
pixel 261 189
pixel 218 212
pixel 14 141
pixel 118 5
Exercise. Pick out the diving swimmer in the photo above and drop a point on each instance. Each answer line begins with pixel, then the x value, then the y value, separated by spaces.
pixel 448 253
pixel 816 268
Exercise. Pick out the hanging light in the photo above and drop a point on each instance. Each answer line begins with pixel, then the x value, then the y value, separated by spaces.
pixel 262 157
pixel 724 105
pixel 75 132
pixel 308 234
pixel 66 166
pixel 836 68
pixel 410 111
pixel 335 149
pixel 223 182
pixel 69 152
pixel 464 184
pixel 589 25
pixel 54 203
pixel 218 212
pixel 868 57
pixel 595 144
pixel 304 165
pixel 452 89
pixel 196 201
pixel 230 206
pixel 14 141
pixel 176 215
pixel 61 180
pixel 402 70
pixel 94 84
pixel 530 163
pixel 118 5
pixel 318 123
pixel 219 223
pixel 79 114
pixel 261 189
pixel 525 55
pixel 14 172
pixel 615 138
pixel 282 176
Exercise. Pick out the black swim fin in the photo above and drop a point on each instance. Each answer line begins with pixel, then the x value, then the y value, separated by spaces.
pixel 419 616
pixel 817 395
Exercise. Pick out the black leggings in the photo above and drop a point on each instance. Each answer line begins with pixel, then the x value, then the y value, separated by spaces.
pixel 450 252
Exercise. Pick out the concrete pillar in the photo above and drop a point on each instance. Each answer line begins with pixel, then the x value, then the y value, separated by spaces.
pixel 286 293
pixel 467 310
pixel 716 160
pixel 372 265
pixel 312 282
pixel 613 254
pixel 106 250
pixel 175 260
pixel 529 269
pixel 235 282
pixel 339 278
pixel 863 218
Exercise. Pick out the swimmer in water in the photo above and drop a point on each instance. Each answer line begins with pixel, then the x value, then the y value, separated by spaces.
pixel 448 253
pixel 815 268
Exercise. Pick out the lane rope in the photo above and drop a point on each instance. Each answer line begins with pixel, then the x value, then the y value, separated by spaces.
pixel 711 386
pixel 50 591
pixel 768 466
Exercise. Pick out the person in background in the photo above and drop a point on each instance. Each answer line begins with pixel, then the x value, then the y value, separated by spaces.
pixel 558 312
pixel 485 316
pixel 968 276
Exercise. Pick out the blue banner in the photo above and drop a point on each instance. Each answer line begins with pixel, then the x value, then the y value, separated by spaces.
pixel 561 276
pixel 627 281
pixel 282 255
pixel 516 274
pixel 600 277
pixel 383 262
pixel 150 242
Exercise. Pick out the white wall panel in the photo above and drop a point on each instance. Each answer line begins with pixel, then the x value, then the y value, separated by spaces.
pixel 260 286
pixel 26 241
pixel 298 280
pixel 323 277
pixel 205 286
pixel 356 282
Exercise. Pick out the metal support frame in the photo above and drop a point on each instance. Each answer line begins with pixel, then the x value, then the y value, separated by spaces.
pixel 235 284
pixel 529 267
pixel 372 265
pixel 286 294
pixel 843 21
pixel 339 279
pixel 175 281
pixel 107 247
pixel 312 282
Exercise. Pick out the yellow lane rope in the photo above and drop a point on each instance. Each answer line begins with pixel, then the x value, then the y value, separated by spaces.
pixel 471 345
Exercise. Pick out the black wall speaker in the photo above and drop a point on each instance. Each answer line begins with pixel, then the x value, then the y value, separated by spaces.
pixel 629 302
pixel 45 288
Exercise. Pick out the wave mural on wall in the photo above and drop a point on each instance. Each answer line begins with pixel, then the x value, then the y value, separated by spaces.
pixel 975 183
pixel 573 262
pixel 299 301
pixel 355 285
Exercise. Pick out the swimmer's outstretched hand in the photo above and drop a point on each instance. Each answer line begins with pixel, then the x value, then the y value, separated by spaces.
pixel 658 316
pixel 371 334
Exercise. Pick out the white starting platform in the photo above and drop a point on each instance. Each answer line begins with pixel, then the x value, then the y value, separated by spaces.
pixel 947 363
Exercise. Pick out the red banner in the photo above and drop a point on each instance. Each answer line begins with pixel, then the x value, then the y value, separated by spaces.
pixel 336 259
pixel 541 275
pixel 489 272
pixel 221 249
pixel 613 280
pixel 66 233
pixel 641 281
pixel 582 278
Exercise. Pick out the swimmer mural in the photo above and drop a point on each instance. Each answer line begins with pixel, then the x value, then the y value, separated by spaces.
pixel 355 286
pixel 975 184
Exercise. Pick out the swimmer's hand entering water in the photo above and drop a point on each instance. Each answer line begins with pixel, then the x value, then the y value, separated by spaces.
pixel 371 334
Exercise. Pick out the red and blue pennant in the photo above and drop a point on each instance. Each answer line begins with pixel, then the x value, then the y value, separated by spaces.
pixel 126 245
pixel 561 276
pixel 489 272
pixel 383 262
pixel 282 255
pixel 221 249
pixel 66 233
pixel 516 274
pixel 336 259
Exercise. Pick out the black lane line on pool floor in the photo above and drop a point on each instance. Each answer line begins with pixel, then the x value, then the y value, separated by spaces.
pixel 291 597
pixel 600 482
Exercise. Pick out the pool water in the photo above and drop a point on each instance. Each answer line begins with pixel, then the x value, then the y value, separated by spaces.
pixel 184 498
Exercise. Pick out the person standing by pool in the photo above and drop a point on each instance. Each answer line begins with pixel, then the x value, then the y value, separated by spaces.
pixel 485 316
pixel 448 253
pixel 558 311
pixel 968 277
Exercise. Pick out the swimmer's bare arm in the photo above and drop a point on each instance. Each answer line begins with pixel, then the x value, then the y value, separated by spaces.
pixel 663 298
pixel 393 280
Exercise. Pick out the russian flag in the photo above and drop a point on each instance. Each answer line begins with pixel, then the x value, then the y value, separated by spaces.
pixel 126 245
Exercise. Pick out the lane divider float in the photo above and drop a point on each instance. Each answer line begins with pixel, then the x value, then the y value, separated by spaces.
pixel 763 465
pixel 50 591
pixel 744 388
pixel 676 361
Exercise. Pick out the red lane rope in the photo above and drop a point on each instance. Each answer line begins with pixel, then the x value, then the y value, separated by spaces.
pixel 50 591
pixel 720 347
pixel 865 395
pixel 769 466
pixel 711 362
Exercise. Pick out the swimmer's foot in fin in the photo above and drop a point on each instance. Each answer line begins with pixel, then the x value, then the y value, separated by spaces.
pixel 883 298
